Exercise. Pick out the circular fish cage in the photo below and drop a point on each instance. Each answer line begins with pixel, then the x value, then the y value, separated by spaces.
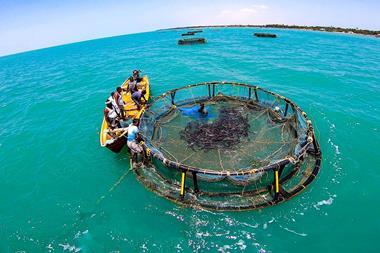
pixel 227 146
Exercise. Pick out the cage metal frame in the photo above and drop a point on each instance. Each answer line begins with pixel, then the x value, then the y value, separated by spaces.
pixel 310 146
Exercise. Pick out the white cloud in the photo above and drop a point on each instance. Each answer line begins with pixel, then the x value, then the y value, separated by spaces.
pixel 248 10
pixel 254 8
pixel 243 13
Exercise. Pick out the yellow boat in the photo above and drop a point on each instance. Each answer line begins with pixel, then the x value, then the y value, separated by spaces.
pixel 118 140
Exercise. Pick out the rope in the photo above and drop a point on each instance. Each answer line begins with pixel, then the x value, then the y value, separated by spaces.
pixel 220 160
pixel 115 185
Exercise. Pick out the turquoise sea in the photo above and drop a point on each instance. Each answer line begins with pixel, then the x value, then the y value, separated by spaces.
pixel 54 173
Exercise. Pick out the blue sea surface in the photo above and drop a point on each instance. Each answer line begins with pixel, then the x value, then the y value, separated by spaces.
pixel 61 192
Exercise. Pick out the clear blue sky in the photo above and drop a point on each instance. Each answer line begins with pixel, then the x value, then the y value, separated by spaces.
pixel 28 24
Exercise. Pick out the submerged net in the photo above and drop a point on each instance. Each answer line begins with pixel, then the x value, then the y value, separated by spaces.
pixel 225 132
pixel 251 149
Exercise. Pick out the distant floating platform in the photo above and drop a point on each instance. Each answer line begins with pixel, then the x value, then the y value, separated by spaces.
pixel 265 35
pixel 188 34
pixel 191 41
pixel 196 31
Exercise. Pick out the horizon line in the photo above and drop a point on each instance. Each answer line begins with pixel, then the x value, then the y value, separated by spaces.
pixel 188 27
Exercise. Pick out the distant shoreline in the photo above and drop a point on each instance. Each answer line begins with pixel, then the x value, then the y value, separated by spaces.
pixel 298 27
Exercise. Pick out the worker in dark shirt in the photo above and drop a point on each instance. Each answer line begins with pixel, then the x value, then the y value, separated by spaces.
pixel 134 80
pixel 137 96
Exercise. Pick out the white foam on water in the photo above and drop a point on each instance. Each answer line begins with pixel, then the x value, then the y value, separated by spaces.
pixel 70 248
pixel 79 233
pixel 336 159
pixel 241 245
pixel 336 147
pixel 224 249
pixel 327 202
pixel 50 247
pixel 256 225
pixel 143 247
pixel 205 234
pixel 202 234
pixel 294 232
pixel 178 247
pixel 175 215
pixel 229 221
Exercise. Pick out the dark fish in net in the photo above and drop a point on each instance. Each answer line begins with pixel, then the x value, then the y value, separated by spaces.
pixel 225 132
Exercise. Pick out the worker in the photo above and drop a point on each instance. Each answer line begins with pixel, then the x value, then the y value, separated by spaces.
pixel 118 101
pixel 134 80
pixel 110 115
pixel 133 141
pixel 202 110
pixel 137 96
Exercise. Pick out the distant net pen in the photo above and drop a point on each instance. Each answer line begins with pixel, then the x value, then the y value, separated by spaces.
pixel 248 149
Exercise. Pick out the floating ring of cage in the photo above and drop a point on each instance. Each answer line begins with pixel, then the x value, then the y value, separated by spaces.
pixel 227 146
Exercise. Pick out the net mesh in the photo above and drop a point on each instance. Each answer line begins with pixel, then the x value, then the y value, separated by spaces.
pixel 234 135
pixel 249 148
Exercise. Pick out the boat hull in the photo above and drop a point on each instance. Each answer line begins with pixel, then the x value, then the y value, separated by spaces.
pixel 117 144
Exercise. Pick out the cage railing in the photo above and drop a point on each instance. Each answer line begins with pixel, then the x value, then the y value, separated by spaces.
pixel 209 90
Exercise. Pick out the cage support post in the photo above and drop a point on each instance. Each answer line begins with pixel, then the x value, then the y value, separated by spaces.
pixel 278 192
pixel 195 182
pixel 286 109
pixel 213 90
pixel 315 144
pixel 249 93
pixel 209 91
pixel 281 170
pixel 256 96
pixel 276 184
pixel 182 190
pixel 172 95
